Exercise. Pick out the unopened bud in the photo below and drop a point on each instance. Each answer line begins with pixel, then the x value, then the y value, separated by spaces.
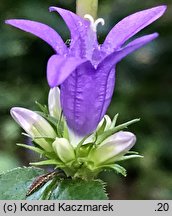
pixel 54 104
pixel 113 147
pixel 35 125
pixel 64 149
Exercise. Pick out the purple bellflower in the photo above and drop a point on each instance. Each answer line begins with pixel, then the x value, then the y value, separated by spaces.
pixel 85 70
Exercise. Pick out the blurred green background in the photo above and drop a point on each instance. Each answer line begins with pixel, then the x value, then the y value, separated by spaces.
pixel 143 89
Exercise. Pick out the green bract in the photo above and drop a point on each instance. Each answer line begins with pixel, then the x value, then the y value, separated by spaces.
pixel 82 157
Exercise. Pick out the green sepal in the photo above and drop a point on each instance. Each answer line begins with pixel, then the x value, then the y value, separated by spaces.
pixel 127 157
pixel 110 132
pixel 60 128
pixel 84 150
pixel 43 108
pixel 53 121
pixel 27 135
pixel 102 128
pixel 45 162
pixel 119 169
pixel 132 152
pixel 113 124
pixel 65 131
pixel 81 143
pixel 32 148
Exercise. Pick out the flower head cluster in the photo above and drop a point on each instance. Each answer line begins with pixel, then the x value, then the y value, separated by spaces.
pixel 86 70
pixel 74 133
pixel 77 156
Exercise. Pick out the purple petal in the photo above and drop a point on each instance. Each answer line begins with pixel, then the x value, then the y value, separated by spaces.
pixel 83 39
pixel 116 56
pixel 73 21
pixel 60 67
pixel 42 31
pixel 129 26
pixel 85 95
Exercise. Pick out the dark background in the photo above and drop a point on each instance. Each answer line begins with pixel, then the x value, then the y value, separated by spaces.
pixel 143 89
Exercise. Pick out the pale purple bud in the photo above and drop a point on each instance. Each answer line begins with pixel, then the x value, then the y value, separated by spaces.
pixel 54 104
pixel 113 147
pixel 35 125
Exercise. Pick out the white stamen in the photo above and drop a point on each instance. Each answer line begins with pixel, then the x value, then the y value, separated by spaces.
pixel 94 23
pixel 90 18
pixel 99 20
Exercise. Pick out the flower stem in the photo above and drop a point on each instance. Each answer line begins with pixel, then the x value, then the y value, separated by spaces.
pixel 87 7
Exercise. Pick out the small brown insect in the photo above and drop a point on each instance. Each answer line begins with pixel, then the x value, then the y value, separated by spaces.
pixel 42 179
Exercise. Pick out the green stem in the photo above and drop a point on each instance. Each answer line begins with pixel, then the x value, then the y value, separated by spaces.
pixel 87 7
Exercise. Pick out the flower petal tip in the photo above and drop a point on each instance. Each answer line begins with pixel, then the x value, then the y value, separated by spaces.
pixel 8 22
pixel 161 9
pixel 51 8
pixel 14 111
pixel 154 35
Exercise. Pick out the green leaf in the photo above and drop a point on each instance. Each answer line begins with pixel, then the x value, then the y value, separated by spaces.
pixel 15 183
pixel 44 192
pixel 79 189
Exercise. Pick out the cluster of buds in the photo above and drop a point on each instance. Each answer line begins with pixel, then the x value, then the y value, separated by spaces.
pixel 76 155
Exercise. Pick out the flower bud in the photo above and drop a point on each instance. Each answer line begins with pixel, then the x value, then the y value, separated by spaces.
pixel 64 149
pixel 113 147
pixel 35 125
pixel 54 104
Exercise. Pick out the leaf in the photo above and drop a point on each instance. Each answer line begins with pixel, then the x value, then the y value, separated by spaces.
pixel 44 192
pixel 15 183
pixel 78 189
